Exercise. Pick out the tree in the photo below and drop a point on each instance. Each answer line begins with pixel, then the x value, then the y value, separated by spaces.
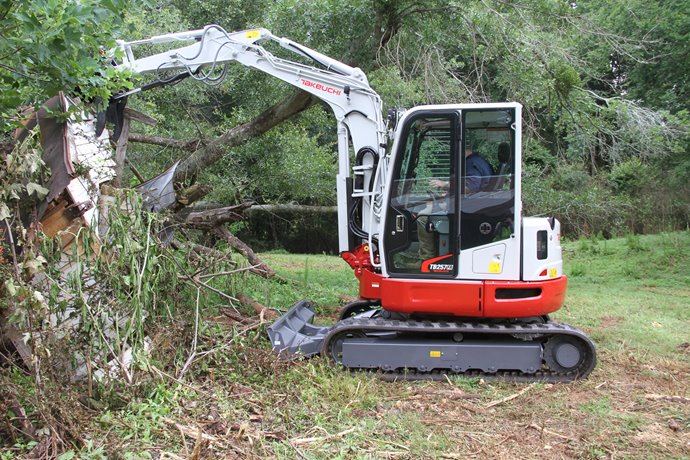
pixel 645 53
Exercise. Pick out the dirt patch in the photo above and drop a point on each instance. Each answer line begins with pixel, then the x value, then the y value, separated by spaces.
pixel 610 321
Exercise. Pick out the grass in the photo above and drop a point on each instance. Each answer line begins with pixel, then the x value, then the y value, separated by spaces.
pixel 633 291
pixel 630 295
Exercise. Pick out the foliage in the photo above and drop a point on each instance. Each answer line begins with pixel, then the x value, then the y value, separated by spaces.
pixel 89 304
pixel 50 45
pixel 648 59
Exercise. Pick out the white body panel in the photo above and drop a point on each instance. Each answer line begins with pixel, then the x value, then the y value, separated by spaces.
pixel 551 266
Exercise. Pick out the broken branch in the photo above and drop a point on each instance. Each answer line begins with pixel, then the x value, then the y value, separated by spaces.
pixel 211 218
pixel 258 308
pixel 678 399
pixel 552 433
pixel 510 398
pixel 261 268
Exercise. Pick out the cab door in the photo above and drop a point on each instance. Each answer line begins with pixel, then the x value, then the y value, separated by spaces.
pixel 420 231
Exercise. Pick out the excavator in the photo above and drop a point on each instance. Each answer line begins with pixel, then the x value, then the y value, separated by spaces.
pixel 452 278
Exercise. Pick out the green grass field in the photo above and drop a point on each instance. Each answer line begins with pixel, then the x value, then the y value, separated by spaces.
pixel 631 295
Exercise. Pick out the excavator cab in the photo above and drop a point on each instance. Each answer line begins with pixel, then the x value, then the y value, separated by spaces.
pixel 441 204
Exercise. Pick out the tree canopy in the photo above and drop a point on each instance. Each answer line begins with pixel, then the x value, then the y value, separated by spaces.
pixel 604 85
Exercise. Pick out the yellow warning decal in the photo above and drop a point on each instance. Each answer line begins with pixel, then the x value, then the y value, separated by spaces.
pixel 434 354
pixel 553 272
pixel 494 267
pixel 253 34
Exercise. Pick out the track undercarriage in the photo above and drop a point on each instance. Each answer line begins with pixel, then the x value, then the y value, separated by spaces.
pixel 416 349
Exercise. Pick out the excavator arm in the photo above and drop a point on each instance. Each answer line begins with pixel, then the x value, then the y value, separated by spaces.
pixel 356 106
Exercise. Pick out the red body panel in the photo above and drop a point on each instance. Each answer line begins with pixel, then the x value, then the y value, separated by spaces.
pixel 449 297
pixel 432 297
pixel 488 299
pixel 550 298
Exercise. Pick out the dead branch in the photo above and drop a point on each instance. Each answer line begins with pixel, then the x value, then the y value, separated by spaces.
pixel 677 399
pixel 260 268
pixel 300 441
pixel 236 316
pixel 509 398
pixel 212 218
pixel 191 432
pixel 191 194
pixel 260 310
pixel 534 426
pixel 135 171
pixel 197 282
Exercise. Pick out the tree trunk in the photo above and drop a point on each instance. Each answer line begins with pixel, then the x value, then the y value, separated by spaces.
pixel 238 135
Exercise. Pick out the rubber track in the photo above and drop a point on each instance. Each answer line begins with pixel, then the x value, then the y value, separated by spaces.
pixel 549 329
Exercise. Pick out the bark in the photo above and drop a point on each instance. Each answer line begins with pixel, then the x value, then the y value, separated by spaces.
pixel 191 194
pixel 212 218
pixel 236 316
pixel 258 308
pixel 273 116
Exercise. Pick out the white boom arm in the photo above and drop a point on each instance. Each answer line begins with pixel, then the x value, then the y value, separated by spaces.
pixel 357 107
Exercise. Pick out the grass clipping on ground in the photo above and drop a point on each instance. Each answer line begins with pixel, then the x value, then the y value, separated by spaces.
pixel 630 295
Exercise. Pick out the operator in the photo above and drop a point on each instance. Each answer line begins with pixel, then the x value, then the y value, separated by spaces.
pixel 477 177
pixel 477 171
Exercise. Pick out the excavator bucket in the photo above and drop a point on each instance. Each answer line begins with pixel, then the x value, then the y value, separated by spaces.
pixel 293 334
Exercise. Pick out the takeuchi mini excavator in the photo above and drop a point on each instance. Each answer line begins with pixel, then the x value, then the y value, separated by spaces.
pixel 452 278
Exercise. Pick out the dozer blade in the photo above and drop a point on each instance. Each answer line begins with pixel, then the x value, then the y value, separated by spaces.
pixel 293 334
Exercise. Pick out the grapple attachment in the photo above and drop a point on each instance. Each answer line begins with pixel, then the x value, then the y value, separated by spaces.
pixel 293 334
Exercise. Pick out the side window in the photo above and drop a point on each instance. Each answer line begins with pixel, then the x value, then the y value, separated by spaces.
pixel 488 164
